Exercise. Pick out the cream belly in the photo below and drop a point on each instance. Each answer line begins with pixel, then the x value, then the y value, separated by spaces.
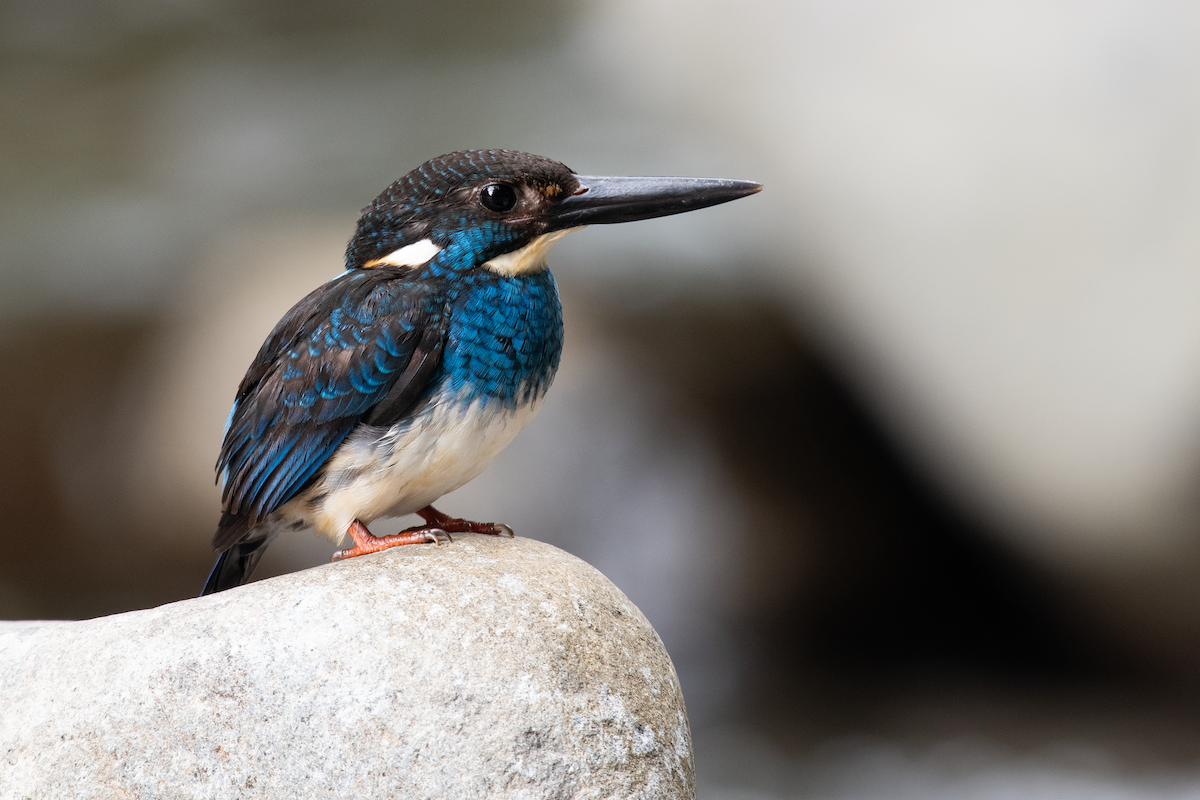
pixel 390 472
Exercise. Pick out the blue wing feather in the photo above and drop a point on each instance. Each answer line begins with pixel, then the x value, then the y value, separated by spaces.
pixel 329 362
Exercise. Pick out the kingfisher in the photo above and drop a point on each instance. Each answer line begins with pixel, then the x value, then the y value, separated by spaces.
pixel 400 379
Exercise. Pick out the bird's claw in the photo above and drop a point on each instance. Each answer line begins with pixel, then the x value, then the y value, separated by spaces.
pixel 434 535
pixel 503 530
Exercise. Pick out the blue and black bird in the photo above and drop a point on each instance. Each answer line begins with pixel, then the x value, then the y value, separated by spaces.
pixel 402 378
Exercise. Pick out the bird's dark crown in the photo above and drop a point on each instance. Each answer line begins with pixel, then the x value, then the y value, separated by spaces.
pixel 480 202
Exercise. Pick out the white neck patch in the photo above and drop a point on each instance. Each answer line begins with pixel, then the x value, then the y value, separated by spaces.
pixel 531 257
pixel 411 255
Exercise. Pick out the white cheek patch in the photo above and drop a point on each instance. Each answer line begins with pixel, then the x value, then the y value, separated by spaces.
pixel 411 255
pixel 531 257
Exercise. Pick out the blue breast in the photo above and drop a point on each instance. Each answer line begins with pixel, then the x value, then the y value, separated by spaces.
pixel 505 338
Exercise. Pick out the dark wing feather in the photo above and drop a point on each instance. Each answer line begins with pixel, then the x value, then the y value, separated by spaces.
pixel 413 381
pixel 238 560
pixel 365 339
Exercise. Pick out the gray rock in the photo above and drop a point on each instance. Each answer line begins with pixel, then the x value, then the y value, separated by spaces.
pixel 484 668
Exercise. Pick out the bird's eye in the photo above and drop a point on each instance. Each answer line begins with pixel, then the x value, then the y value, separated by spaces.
pixel 498 197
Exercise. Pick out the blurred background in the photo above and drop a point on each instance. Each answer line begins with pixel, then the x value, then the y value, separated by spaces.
pixel 901 456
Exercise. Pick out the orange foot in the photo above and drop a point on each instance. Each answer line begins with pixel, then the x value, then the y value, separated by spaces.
pixel 436 526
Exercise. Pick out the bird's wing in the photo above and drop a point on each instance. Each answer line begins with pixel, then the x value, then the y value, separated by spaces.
pixel 363 347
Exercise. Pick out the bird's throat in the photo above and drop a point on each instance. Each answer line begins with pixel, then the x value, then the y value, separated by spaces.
pixel 530 258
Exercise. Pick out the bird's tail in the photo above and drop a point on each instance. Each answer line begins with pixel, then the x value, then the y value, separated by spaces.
pixel 237 561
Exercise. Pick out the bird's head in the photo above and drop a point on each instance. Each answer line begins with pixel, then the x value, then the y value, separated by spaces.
pixel 504 210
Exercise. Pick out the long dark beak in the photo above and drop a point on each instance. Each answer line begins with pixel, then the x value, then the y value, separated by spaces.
pixel 603 200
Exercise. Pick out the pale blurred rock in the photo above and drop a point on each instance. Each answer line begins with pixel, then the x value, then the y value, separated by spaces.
pixel 483 668
pixel 986 213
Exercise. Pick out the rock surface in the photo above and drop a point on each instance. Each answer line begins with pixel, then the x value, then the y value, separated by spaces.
pixel 484 668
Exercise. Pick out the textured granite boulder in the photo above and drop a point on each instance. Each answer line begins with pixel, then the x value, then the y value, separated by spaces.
pixel 484 668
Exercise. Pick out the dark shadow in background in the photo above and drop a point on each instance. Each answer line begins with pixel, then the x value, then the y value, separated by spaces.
pixel 858 574
pixel 862 562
